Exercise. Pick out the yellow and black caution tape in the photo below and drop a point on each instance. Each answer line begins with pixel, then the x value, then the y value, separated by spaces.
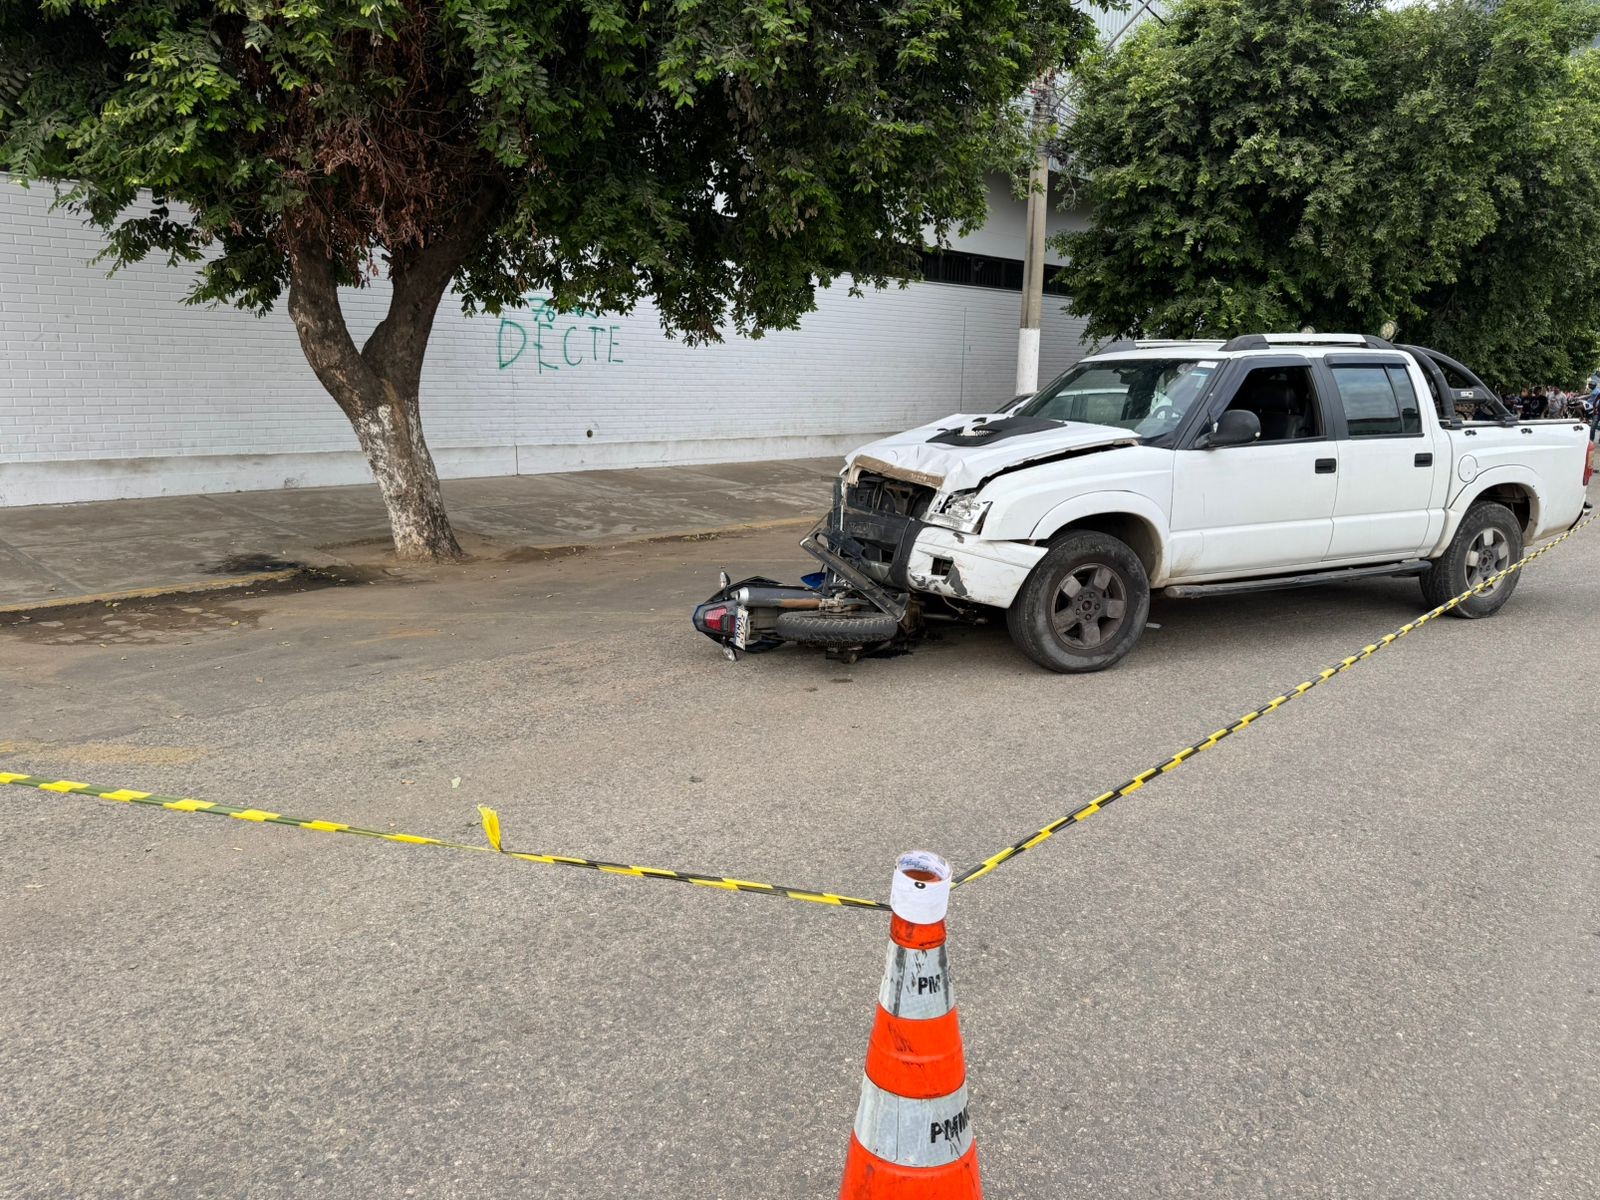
pixel 491 829
pixel 1105 799
pixel 491 819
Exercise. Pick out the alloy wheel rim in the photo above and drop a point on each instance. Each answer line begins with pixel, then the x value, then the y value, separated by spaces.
pixel 1487 556
pixel 1090 606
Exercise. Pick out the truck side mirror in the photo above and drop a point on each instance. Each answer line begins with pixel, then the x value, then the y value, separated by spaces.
pixel 1236 427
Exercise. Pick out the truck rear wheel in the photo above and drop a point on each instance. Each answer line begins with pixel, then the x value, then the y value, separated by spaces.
pixel 1084 605
pixel 1488 540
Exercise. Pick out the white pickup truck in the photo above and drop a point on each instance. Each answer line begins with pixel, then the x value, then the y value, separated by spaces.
pixel 1200 468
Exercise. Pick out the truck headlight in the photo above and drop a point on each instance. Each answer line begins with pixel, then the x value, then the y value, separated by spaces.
pixel 963 511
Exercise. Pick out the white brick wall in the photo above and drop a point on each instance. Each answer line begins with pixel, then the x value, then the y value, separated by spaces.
pixel 112 388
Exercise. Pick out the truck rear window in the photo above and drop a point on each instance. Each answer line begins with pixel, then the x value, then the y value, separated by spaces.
pixel 1378 401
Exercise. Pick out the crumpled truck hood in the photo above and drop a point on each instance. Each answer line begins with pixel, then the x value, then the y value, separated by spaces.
pixel 947 468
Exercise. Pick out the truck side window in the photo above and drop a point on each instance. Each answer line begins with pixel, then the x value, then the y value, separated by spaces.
pixel 1410 415
pixel 1378 401
pixel 1283 400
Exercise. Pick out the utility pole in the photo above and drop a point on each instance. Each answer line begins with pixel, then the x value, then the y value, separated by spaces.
pixel 1033 258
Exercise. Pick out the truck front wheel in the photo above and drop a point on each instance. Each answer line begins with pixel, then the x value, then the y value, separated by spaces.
pixel 1488 541
pixel 1083 606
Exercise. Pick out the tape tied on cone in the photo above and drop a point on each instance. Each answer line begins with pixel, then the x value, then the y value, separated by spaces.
pixel 920 892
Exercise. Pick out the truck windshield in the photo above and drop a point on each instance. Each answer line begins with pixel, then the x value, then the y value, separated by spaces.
pixel 1147 395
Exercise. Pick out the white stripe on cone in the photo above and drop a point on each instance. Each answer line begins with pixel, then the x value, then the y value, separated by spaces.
pixel 916 984
pixel 913 1133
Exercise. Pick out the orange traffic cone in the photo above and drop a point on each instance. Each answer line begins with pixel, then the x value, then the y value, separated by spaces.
pixel 912 1137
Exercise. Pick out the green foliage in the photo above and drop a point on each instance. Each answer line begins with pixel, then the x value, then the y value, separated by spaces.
pixel 1265 164
pixel 723 157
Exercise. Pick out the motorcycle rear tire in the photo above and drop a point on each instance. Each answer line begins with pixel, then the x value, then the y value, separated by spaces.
pixel 865 628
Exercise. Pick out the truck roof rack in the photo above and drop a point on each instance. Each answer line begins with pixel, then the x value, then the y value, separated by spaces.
pixel 1266 341
pixel 1162 343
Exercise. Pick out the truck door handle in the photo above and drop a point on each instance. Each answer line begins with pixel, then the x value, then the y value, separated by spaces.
pixel 1423 460
pixel 1327 466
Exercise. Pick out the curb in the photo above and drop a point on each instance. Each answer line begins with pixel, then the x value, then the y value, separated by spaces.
pixel 704 533
pixel 716 531
pixel 147 593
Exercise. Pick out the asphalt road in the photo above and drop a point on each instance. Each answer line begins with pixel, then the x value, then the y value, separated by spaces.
pixel 1352 952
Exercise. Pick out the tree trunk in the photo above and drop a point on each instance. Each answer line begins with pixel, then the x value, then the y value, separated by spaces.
pixel 378 390
pixel 378 386
pixel 390 433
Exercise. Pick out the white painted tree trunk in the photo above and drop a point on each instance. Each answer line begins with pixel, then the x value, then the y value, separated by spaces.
pixel 391 437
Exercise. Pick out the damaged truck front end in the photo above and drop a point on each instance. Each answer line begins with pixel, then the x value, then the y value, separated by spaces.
pixel 905 540
pixel 893 550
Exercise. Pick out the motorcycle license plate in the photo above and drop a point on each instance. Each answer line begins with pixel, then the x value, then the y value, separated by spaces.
pixel 741 628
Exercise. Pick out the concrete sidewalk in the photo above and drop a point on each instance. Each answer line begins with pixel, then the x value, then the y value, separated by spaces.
pixel 54 553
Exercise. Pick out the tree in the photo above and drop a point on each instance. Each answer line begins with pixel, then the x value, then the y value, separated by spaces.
pixel 723 157
pixel 1523 300
pixel 1266 164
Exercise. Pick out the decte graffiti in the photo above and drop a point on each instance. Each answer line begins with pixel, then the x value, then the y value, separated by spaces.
pixel 578 341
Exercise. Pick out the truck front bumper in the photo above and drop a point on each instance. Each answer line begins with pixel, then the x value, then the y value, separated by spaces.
pixel 962 567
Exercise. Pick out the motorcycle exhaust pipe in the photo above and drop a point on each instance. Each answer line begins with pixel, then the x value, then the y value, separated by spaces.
pixel 778 597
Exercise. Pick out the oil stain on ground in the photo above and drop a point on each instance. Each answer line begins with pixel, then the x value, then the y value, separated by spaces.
pixel 179 617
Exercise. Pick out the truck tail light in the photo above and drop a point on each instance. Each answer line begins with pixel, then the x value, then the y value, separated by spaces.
pixel 1591 462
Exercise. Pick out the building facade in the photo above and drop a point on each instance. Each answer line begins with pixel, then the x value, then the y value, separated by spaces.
pixel 112 387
